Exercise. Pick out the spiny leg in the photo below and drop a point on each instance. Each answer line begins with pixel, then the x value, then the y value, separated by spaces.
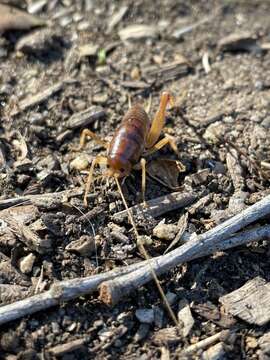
pixel 149 104
pixel 168 139
pixel 97 160
pixel 129 101
pixel 88 133
pixel 143 165
pixel 159 120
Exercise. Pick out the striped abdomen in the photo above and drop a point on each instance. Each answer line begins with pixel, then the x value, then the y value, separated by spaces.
pixel 128 142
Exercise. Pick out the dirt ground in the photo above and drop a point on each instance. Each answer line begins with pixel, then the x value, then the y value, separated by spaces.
pixel 86 60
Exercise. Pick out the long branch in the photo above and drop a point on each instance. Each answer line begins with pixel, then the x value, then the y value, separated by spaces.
pixel 112 291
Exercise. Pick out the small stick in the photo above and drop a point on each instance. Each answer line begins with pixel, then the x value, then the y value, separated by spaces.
pixel 48 200
pixel 112 291
pixel 159 206
pixel 71 289
pixel 220 336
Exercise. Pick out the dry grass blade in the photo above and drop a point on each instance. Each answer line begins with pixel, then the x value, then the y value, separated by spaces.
pixel 15 19
pixel 182 224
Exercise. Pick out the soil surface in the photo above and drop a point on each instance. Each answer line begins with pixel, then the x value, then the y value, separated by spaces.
pixel 87 64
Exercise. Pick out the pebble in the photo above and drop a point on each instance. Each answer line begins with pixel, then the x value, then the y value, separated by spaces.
pixel 80 163
pixel 185 317
pixel 26 263
pixel 142 332
pixel 165 231
pixel 55 327
pixel 171 297
pixel 100 99
pixel 266 123
pixel 85 245
pixel 145 315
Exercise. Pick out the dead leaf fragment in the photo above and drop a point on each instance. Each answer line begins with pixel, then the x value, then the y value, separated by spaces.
pixel 166 172
pixel 15 19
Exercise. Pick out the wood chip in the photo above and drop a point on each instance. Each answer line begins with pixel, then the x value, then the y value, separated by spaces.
pixel 235 169
pixel 135 84
pixel 244 303
pixel 15 19
pixel 138 32
pixel 159 206
pixel 239 41
pixel 215 352
pixel 85 117
pixel 88 50
pixel 166 336
pixel 9 293
pixel 27 236
pixel 38 98
pixel 169 71
pixel 116 18
pixel 62 349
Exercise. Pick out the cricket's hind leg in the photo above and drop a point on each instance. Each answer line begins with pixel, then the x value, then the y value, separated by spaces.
pixel 159 120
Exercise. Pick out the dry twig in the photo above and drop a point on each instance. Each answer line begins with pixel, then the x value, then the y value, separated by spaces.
pixel 112 291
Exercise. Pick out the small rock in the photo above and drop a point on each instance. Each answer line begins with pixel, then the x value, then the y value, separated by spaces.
pixel 26 263
pixel 9 341
pixel 145 240
pixel 55 327
pixel 145 315
pixel 135 73
pixel 251 342
pixel 215 352
pixel 165 231
pixel 105 334
pixel 266 123
pixel 80 163
pixel 100 99
pixel 214 132
pixel 88 50
pixel 185 317
pixel 142 332
pixel 171 297
pixel 72 327
pixel 85 245
pixel 200 177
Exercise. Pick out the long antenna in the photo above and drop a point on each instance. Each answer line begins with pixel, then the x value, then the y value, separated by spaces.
pixel 145 254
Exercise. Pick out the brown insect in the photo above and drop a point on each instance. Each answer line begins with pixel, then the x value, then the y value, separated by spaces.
pixel 134 139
